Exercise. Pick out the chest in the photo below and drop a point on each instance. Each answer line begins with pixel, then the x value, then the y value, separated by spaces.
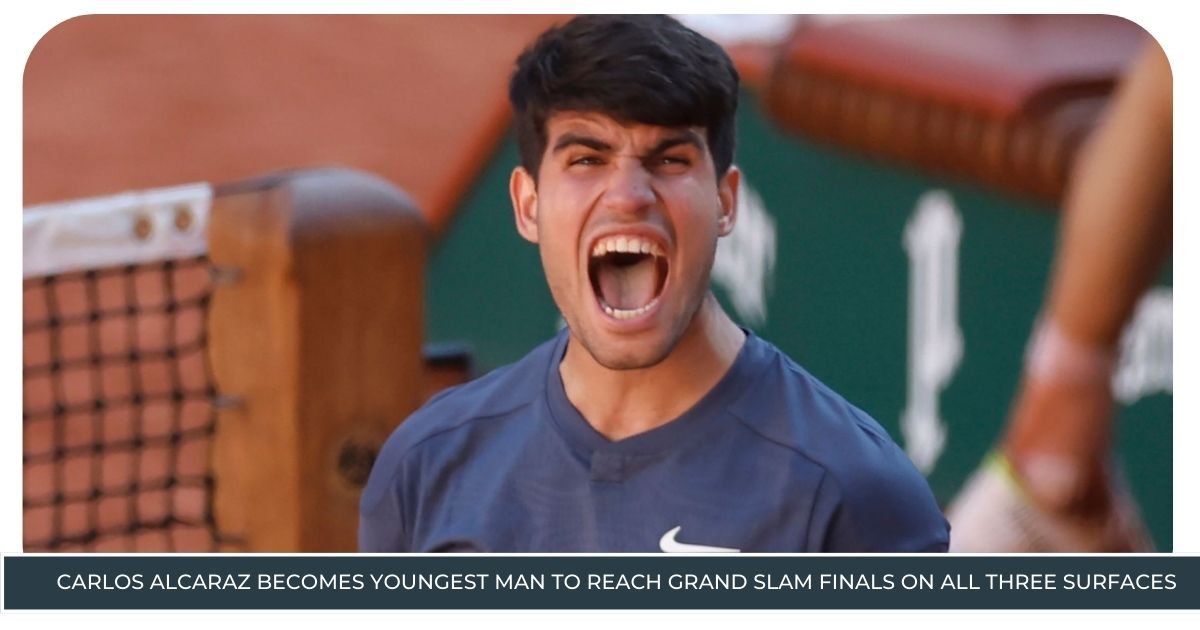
pixel 722 497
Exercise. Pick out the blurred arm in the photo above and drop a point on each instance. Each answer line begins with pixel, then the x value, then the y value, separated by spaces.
pixel 1117 228
pixel 1115 234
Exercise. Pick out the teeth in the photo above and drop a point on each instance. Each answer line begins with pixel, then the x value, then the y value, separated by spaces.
pixel 626 244
pixel 621 313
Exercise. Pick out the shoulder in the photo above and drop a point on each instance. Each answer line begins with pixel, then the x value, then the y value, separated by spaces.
pixel 788 405
pixel 458 410
pixel 870 483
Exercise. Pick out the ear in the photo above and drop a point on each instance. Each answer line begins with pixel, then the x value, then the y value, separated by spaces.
pixel 523 191
pixel 727 194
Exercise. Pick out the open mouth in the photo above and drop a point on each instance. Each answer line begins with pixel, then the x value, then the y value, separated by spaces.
pixel 628 274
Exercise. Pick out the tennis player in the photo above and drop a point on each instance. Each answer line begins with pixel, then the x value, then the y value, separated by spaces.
pixel 652 421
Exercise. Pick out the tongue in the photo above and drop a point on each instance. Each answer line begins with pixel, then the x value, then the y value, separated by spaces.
pixel 627 287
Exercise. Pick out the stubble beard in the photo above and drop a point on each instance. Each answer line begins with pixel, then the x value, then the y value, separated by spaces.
pixel 631 361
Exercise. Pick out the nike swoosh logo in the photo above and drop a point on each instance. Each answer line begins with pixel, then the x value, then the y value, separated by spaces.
pixel 668 544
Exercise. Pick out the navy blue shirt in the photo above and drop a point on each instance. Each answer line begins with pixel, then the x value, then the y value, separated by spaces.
pixel 769 460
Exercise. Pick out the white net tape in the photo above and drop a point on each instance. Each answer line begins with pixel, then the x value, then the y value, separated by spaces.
pixel 129 228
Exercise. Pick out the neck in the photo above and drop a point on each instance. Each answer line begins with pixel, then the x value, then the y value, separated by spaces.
pixel 622 403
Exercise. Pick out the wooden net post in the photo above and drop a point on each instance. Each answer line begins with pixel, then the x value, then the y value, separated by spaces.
pixel 315 335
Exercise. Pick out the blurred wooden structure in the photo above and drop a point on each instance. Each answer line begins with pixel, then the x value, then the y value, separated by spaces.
pixel 1001 100
pixel 315 334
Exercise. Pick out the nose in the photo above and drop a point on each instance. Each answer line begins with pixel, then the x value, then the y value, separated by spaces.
pixel 630 186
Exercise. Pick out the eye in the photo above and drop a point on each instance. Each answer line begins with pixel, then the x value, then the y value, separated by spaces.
pixel 673 163
pixel 585 160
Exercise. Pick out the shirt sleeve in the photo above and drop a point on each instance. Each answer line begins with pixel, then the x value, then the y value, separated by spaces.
pixel 381 512
pixel 881 506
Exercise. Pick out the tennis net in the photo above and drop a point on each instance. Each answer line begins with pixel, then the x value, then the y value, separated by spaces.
pixel 118 396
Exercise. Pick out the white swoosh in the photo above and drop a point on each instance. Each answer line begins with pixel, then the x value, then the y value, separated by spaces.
pixel 668 544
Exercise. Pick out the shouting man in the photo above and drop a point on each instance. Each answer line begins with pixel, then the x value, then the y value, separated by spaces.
pixel 652 421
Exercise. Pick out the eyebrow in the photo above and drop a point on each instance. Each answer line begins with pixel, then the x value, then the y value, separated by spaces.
pixel 570 138
pixel 686 136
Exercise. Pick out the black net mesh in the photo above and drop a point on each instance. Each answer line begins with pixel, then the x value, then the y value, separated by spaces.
pixel 119 410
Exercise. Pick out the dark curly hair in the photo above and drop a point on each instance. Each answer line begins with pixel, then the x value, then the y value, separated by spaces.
pixel 647 69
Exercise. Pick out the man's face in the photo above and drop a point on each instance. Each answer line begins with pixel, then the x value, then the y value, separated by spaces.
pixel 626 217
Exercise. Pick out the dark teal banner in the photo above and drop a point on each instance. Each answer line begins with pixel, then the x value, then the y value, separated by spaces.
pixel 92 582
